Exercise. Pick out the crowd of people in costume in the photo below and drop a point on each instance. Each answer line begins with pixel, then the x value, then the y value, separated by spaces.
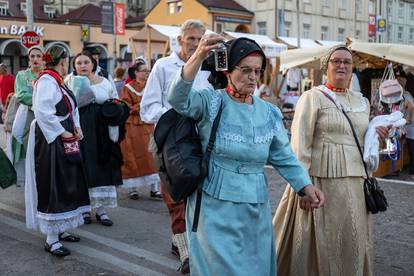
pixel 76 137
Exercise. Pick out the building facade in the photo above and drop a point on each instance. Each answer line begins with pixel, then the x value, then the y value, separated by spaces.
pixel 217 15
pixel 71 32
pixel 333 19
pixel 133 7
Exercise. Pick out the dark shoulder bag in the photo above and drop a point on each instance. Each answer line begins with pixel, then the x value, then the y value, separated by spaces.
pixel 181 163
pixel 374 195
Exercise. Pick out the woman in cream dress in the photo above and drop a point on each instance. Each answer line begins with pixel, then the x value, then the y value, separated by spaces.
pixel 334 240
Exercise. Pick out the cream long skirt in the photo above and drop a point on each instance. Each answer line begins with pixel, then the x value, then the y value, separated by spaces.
pixel 334 240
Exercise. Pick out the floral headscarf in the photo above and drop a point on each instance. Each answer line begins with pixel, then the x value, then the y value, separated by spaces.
pixel 325 59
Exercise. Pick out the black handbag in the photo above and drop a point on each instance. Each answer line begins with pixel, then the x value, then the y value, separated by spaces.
pixel 375 199
pixel 180 160
pixel 8 175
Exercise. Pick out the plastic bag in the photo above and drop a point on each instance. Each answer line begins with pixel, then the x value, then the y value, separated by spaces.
pixel 81 88
pixel 19 123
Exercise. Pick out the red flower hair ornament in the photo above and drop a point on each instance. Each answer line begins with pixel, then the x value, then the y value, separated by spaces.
pixel 47 58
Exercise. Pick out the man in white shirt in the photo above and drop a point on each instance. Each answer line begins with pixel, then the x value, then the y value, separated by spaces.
pixel 154 104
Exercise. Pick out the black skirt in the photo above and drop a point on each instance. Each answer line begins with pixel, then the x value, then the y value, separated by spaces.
pixel 102 157
pixel 61 185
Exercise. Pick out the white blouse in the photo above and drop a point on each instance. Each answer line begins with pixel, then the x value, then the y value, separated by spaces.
pixel 103 91
pixel 46 95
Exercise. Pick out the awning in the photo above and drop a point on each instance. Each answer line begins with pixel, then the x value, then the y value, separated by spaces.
pixel 160 33
pixel 400 53
pixel 298 57
pixel 269 47
pixel 329 42
pixel 292 42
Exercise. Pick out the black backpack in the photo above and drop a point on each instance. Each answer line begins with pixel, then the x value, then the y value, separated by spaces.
pixel 180 160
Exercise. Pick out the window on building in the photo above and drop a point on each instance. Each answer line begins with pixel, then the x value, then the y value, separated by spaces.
pixel 49 11
pixel 219 27
pixel 389 32
pixel 23 7
pixel 324 33
pixel 357 34
pixel 411 35
pixel 389 10
pixel 341 34
pixel 412 12
pixel 262 28
pixel 401 10
pixel 307 1
pixel 400 33
pixel 4 7
pixel 288 26
pixel 306 30
pixel 171 7
pixel 342 4
pixel 358 6
pixel 179 6
pixel 372 7
pixel 325 3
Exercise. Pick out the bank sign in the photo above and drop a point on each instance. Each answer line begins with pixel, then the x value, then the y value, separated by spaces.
pixel 19 30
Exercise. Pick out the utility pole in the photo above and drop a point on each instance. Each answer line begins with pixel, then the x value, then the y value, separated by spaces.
pixel 297 22
pixel 114 39
pixel 354 19
pixel 29 14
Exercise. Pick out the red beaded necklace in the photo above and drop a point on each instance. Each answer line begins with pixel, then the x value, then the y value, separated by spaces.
pixel 335 89
pixel 236 94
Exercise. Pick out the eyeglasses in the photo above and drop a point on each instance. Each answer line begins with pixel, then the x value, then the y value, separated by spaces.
pixel 144 71
pixel 248 71
pixel 338 62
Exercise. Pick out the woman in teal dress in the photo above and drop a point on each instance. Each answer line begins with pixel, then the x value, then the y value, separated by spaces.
pixel 235 235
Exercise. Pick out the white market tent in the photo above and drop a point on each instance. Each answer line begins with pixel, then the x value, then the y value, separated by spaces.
pixel 157 39
pixel 399 53
pixel 329 42
pixel 292 42
pixel 298 57
pixel 270 48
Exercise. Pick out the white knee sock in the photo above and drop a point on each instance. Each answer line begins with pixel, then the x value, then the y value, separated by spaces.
pixel 155 187
pixel 102 213
pixel 51 239
pixel 181 241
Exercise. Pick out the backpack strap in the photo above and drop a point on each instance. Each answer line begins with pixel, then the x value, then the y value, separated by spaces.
pixel 206 160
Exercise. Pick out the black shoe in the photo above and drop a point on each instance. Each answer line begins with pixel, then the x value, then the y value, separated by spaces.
pixel 68 238
pixel 59 252
pixel 134 195
pixel 156 195
pixel 87 218
pixel 174 251
pixel 104 222
pixel 185 266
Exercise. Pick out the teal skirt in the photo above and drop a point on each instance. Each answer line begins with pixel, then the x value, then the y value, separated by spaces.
pixel 232 238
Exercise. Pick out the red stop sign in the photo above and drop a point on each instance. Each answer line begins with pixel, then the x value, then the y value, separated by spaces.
pixel 30 39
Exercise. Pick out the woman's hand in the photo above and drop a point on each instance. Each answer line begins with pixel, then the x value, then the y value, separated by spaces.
pixel 206 44
pixel 382 132
pixel 78 133
pixel 314 198
pixel 66 134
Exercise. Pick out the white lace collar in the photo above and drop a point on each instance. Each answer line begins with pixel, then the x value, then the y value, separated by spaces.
pixel 361 108
pixel 132 89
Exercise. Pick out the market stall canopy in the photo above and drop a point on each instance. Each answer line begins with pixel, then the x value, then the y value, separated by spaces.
pixel 269 47
pixel 302 56
pixel 292 42
pixel 400 53
pixel 160 33
pixel 329 42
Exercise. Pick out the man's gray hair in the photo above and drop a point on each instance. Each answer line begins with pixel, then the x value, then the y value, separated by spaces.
pixel 192 24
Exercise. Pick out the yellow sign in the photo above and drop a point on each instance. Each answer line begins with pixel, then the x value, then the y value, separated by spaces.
pixel 85 33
